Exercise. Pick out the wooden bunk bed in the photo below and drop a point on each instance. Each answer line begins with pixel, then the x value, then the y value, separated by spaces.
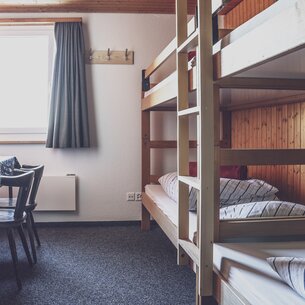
pixel 240 61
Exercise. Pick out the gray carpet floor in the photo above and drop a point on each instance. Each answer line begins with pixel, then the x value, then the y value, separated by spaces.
pixel 116 265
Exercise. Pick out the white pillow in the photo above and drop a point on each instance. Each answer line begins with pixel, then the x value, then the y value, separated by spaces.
pixel 233 189
pixel 291 270
pixel 169 183
pixel 262 209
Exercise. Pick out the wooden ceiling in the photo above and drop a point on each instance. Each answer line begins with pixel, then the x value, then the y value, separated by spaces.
pixel 106 6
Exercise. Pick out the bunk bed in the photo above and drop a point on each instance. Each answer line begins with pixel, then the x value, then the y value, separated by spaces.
pixel 250 57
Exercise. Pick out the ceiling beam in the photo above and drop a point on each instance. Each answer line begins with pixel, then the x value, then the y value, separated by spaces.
pixel 106 6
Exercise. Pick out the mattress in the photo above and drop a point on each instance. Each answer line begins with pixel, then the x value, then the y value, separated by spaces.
pixel 245 268
pixel 171 78
pixel 165 82
pixel 169 207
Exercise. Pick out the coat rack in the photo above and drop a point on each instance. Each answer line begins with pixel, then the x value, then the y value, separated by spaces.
pixel 109 57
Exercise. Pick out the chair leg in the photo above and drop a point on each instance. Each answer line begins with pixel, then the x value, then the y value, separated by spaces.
pixel 34 228
pixel 10 236
pixel 31 237
pixel 25 245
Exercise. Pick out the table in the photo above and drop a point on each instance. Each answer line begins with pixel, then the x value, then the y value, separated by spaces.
pixel 7 165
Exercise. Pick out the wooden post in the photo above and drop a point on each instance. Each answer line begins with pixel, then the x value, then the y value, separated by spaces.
pixel 145 221
pixel 182 129
pixel 216 98
pixel 205 100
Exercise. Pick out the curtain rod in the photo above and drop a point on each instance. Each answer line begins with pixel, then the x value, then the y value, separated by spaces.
pixel 36 21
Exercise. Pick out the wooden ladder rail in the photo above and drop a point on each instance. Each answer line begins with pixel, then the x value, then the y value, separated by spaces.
pixel 147 146
pixel 207 112
pixel 145 122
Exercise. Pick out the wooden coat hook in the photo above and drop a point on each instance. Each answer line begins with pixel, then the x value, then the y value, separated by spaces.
pixel 110 57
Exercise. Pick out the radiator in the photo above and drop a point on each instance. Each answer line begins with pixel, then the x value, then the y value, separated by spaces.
pixel 57 193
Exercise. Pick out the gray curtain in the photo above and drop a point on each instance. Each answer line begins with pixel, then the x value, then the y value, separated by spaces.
pixel 68 120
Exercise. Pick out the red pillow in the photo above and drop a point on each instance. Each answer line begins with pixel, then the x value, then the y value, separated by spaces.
pixel 226 171
pixel 191 55
pixel 233 172
pixel 193 169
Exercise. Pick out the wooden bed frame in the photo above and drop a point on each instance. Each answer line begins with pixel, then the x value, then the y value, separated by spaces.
pixel 222 66
pixel 222 290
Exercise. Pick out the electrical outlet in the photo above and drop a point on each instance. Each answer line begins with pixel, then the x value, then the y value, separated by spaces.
pixel 130 196
pixel 137 196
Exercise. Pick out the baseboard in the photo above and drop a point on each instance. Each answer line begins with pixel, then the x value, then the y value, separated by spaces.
pixel 88 223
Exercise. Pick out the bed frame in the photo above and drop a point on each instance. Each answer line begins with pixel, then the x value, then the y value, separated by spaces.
pixel 235 62
pixel 222 291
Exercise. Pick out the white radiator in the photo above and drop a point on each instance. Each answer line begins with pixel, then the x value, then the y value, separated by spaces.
pixel 57 193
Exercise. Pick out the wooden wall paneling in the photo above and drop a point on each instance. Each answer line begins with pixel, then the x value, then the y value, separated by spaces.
pixel 264 138
pixel 252 8
pixel 259 137
pixel 245 11
pixel 302 134
pixel 269 138
pixel 284 144
pixel 251 116
pixel 264 4
pixel 278 169
pixel 281 126
pixel 256 135
pixel 273 144
pixel 226 125
pixel 239 133
pixel 290 113
pixel 238 15
pixel 297 144
pixel 243 127
pixel 246 118
pixel 237 127
pixel 233 131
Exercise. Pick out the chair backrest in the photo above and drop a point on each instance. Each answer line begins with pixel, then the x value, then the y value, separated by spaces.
pixel 38 170
pixel 23 181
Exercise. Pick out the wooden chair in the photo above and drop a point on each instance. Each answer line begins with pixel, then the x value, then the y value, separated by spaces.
pixel 11 219
pixel 10 203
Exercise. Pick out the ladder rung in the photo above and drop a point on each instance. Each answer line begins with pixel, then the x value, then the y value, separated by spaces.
pixel 191 250
pixel 189 111
pixel 190 43
pixel 191 181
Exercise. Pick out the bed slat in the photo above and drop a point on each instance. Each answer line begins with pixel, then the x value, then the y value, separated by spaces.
pixel 262 156
pixel 170 144
pixel 191 249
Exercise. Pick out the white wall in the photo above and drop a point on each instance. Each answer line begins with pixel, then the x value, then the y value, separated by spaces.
pixel 113 168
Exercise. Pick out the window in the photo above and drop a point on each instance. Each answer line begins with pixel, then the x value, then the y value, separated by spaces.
pixel 26 57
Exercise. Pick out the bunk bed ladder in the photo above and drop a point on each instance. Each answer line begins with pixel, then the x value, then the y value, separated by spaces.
pixel 208 143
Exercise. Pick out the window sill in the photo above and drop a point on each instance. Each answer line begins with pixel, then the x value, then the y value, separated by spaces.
pixel 21 142
pixel 23 138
